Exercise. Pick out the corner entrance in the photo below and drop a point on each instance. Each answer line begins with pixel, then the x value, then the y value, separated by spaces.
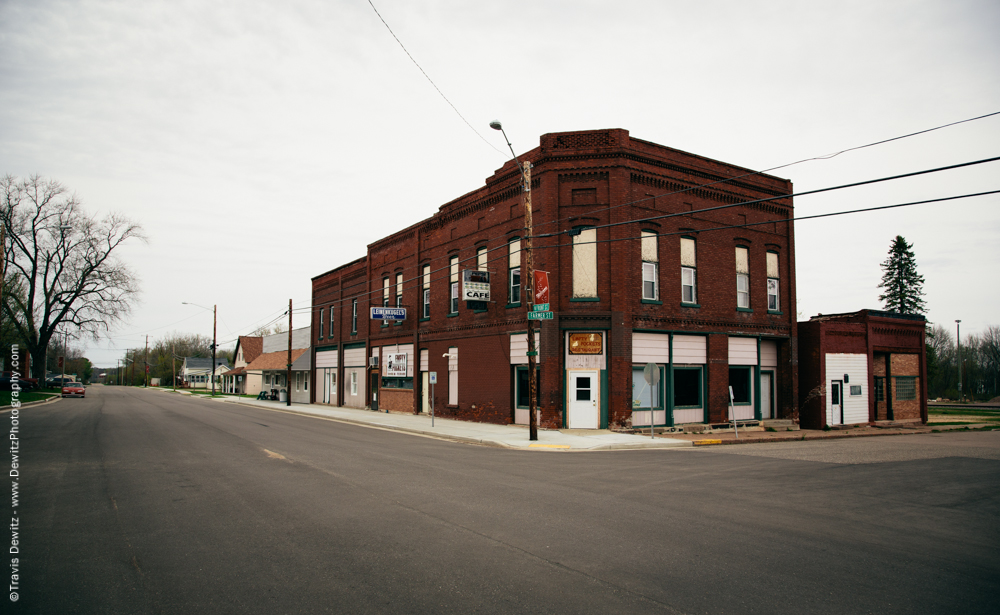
pixel 584 400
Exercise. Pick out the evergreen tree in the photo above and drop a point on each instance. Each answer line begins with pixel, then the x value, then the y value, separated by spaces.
pixel 903 285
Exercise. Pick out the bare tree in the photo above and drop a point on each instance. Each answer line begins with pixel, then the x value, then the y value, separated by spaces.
pixel 66 261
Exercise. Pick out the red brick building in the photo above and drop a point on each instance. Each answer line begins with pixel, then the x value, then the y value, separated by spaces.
pixel 654 256
pixel 862 367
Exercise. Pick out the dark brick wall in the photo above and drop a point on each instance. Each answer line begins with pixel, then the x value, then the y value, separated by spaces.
pixel 588 178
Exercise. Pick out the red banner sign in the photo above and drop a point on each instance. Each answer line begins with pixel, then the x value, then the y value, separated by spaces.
pixel 541 287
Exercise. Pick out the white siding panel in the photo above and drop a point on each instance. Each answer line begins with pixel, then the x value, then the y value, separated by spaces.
pixel 355 357
pixel 743 351
pixel 519 347
pixel 690 350
pixel 689 415
pixel 453 359
pixel 425 360
pixel 327 358
pixel 650 348
pixel 856 367
pixel 768 354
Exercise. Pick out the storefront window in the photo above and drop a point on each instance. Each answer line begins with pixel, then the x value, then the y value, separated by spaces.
pixel 642 392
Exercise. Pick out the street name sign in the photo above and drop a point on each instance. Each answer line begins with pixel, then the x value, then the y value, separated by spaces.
pixel 539 315
pixel 540 307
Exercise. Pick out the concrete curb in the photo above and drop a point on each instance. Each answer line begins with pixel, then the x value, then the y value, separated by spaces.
pixel 39 402
pixel 481 441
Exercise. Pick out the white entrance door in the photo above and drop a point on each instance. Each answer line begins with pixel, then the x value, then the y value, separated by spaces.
pixel 326 386
pixel 766 409
pixel 425 392
pixel 584 400
pixel 836 402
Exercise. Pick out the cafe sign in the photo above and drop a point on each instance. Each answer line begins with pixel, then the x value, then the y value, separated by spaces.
pixel 586 343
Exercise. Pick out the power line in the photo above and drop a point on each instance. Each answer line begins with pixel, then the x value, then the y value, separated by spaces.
pixel 786 196
pixel 809 217
pixel 768 170
pixel 415 63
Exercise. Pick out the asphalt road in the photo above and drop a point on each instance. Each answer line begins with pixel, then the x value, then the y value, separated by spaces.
pixel 139 502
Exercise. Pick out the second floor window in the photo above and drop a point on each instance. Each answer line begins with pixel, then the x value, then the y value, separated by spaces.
pixel 773 304
pixel 514 271
pixel 689 277
pixel 453 278
pixel 321 315
pixel 427 291
pixel 385 292
pixel 354 316
pixel 399 290
pixel 650 260
pixel 742 278
pixel 585 264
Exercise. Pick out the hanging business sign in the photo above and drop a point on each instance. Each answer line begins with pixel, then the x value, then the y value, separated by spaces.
pixel 395 365
pixel 388 313
pixel 541 286
pixel 475 285
pixel 586 343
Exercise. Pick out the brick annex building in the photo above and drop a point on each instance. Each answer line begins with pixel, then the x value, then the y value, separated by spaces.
pixel 654 256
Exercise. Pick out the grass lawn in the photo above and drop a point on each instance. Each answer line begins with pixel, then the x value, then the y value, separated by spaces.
pixel 962 416
pixel 25 396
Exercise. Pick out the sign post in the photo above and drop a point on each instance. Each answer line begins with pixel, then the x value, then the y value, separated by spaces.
pixel 433 378
pixel 732 413
pixel 652 375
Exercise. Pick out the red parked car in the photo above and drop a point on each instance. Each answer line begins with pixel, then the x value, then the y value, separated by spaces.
pixel 73 389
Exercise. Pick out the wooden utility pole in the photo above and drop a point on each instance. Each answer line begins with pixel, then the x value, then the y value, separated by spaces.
pixel 530 296
pixel 173 367
pixel 145 363
pixel 214 312
pixel 288 376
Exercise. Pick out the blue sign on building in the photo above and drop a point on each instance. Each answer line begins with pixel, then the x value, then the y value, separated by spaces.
pixel 388 313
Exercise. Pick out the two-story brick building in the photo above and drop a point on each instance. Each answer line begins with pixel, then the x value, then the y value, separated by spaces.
pixel 654 256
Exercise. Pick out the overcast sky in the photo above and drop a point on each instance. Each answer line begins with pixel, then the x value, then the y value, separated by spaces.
pixel 263 143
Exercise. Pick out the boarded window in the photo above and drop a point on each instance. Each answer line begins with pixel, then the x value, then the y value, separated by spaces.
pixel 649 253
pixel 585 264
pixel 687 252
pixel 742 260
pixel 772 265
pixel 482 258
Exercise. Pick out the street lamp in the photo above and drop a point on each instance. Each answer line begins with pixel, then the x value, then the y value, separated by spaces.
pixel 958 338
pixel 214 314
pixel 529 283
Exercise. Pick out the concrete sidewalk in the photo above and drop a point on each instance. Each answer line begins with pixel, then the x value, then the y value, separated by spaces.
pixel 504 436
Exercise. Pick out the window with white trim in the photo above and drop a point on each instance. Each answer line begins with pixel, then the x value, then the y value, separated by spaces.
pixel 385 291
pixel 333 308
pixel 650 266
pixel 453 278
pixel 773 304
pixel 354 383
pixel 354 316
pixel 514 272
pixel 399 290
pixel 321 316
pixel 482 259
pixel 427 291
pixel 689 272
pixel 742 278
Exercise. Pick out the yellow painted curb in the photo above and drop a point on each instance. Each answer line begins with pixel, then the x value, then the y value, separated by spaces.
pixel 548 446
pixel 704 442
